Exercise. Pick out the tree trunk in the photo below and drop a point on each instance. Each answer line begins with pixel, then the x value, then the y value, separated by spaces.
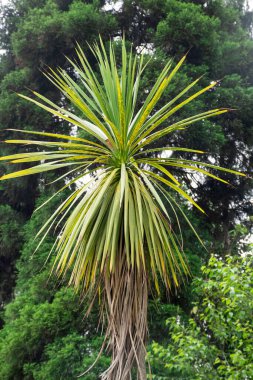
pixel 126 297
pixel 142 372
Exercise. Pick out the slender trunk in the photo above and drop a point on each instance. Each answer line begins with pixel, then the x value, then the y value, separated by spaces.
pixel 126 299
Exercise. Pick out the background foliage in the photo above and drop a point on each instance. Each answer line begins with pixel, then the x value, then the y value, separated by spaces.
pixel 215 342
pixel 43 331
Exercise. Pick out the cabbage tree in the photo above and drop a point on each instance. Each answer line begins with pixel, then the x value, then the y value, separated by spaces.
pixel 116 234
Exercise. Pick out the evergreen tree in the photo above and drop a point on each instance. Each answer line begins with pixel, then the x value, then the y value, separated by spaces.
pixel 33 35
pixel 38 33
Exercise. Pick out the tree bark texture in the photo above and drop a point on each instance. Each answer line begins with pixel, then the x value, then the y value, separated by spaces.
pixel 126 297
